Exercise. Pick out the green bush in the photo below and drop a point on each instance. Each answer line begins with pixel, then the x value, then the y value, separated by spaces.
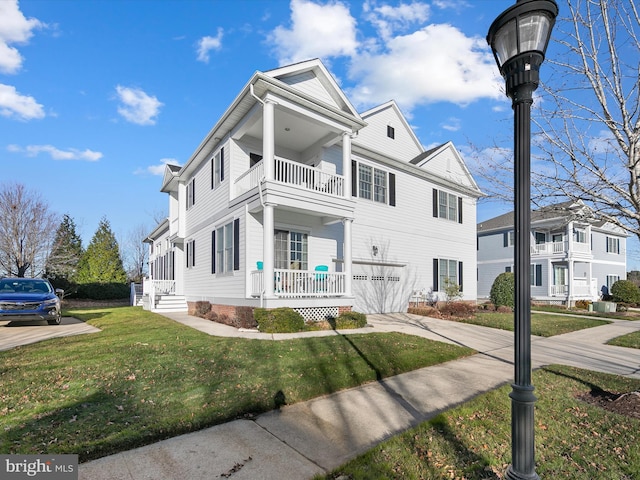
pixel 278 320
pixel 625 291
pixel 103 291
pixel 347 320
pixel 503 290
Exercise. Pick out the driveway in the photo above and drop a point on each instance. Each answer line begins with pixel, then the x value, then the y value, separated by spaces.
pixel 14 334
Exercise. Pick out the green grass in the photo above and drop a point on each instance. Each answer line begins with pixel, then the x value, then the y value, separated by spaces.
pixel 628 315
pixel 542 324
pixel 631 340
pixel 574 440
pixel 145 378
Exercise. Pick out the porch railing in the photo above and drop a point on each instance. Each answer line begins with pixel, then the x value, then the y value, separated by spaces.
pixel 550 248
pixel 300 283
pixel 293 173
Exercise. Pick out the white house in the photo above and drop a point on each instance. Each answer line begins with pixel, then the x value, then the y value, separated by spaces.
pixel 574 255
pixel 296 199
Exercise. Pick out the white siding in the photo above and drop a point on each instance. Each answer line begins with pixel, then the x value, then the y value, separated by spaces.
pixel 307 83
pixel 374 136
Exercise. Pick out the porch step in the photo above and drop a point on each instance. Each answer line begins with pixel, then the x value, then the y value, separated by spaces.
pixel 171 303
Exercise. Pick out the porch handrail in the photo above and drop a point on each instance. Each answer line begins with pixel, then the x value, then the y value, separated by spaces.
pixel 300 283
pixel 250 178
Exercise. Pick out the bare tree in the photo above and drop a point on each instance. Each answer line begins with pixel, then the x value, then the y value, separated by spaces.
pixel 27 228
pixel 587 116
pixel 136 252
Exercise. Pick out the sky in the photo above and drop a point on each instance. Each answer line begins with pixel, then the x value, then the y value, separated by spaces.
pixel 96 96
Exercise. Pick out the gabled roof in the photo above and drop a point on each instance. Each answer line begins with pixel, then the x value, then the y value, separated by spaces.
pixel 169 180
pixel 391 104
pixel 559 212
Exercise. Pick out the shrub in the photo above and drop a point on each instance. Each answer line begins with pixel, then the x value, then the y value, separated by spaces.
pixel 348 320
pixel 211 315
pixel 458 309
pixel 201 309
pixel 278 320
pixel 244 318
pixel 583 304
pixel 103 291
pixel 502 290
pixel 504 309
pixel 625 291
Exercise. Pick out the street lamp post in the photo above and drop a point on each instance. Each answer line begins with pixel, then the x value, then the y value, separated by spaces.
pixel 519 39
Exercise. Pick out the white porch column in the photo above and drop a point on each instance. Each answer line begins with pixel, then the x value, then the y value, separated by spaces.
pixel 268 139
pixel 348 260
pixel 267 249
pixel 570 279
pixel 346 163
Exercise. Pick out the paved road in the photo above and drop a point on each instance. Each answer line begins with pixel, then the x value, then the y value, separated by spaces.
pixel 13 334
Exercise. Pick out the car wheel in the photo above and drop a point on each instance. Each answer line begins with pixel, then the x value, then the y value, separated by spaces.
pixel 55 321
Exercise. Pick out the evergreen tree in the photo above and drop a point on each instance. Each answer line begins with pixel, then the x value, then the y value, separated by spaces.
pixel 66 253
pixel 101 262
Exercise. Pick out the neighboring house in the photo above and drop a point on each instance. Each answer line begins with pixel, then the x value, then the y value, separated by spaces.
pixel 574 255
pixel 296 199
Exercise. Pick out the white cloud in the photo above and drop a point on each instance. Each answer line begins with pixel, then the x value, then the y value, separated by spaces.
pixel 206 44
pixel 14 28
pixel 388 19
pixel 321 31
pixel 452 124
pixel 156 169
pixel 15 105
pixel 138 107
pixel 434 64
pixel 57 154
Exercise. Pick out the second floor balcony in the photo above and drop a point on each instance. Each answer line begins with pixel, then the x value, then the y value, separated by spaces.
pixel 560 249
pixel 294 174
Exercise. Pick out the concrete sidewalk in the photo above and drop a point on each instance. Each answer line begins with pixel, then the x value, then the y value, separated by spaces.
pixel 314 437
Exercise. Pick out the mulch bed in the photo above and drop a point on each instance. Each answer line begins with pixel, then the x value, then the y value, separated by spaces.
pixel 623 403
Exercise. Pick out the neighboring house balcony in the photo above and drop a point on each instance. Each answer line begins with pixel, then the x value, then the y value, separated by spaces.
pixel 294 185
pixel 288 283
pixel 562 249
pixel 581 288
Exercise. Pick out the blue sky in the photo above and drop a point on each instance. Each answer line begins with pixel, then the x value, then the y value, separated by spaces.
pixel 97 95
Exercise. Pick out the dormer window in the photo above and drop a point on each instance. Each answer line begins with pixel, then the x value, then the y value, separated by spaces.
pixel 391 132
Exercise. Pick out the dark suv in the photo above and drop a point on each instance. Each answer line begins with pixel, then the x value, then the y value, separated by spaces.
pixel 24 299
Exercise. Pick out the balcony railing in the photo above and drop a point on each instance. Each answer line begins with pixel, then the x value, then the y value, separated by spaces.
pixel 554 248
pixel 293 173
pixel 300 283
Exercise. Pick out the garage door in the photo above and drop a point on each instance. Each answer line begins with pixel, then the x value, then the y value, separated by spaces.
pixel 379 288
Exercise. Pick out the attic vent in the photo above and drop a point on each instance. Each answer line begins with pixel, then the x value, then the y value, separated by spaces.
pixel 391 132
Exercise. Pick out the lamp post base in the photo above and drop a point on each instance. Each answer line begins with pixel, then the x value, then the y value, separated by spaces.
pixel 522 433
pixel 511 474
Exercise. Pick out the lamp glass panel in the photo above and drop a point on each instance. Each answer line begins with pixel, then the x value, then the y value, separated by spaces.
pixel 505 42
pixel 534 32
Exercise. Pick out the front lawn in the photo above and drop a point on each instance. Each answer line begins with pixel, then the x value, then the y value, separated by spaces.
pixel 575 440
pixel 543 325
pixel 631 340
pixel 145 378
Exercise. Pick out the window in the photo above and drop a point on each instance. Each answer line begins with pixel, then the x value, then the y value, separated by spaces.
pixel 191 193
pixel 191 253
pixel 447 205
pixel 217 169
pixel 373 184
pixel 291 250
pixel 540 237
pixel 535 273
pixel 446 272
pixel 580 235
pixel 613 245
pixel 611 279
pixel 254 159
pixel 225 248
pixel 391 132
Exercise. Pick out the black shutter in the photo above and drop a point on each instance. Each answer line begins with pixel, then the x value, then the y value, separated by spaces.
pixel 354 178
pixel 459 209
pixel 505 239
pixel 193 192
pixel 236 244
pixel 538 275
pixel 436 276
pixel 213 252
pixel 460 275
pixel 392 189
pixel 193 253
pixel 435 203
pixel 221 164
